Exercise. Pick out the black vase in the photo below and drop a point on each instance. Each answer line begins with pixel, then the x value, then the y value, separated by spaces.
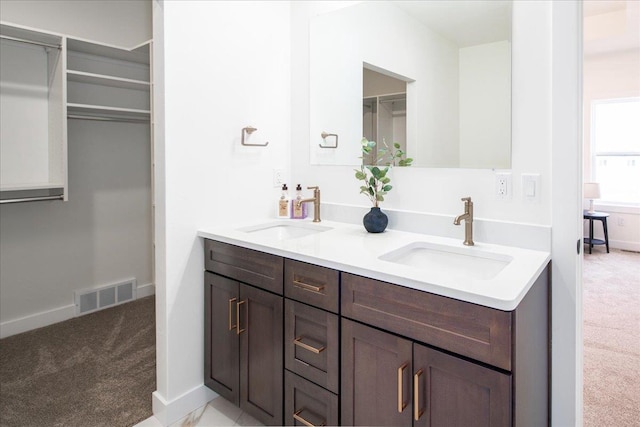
pixel 375 221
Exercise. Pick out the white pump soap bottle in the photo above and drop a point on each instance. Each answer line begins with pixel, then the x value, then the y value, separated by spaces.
pixel 284 203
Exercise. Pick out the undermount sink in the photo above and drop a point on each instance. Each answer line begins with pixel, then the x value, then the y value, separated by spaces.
pixel 283 230
pixel 465 262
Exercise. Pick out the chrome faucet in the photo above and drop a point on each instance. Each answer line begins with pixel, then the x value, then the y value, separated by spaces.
pixel 316 203
pixel 467 216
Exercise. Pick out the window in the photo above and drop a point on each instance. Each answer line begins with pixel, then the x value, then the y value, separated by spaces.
pixel 615 139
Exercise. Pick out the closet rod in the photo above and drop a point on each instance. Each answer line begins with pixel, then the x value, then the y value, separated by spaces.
pixel 15 39
pixel 31 199
pixel 106 119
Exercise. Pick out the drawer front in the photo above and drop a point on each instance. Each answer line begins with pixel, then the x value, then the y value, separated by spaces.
pixel 306 403
pixel 312 346
pixel 312 284
pixel 256 268
pixel 471 330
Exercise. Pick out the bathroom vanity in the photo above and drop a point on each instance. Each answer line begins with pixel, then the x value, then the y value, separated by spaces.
pixel 328 325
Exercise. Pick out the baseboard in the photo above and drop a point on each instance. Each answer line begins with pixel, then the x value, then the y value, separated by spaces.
pixel 624 245
pixel 170 412
pixel 38 320
pixel 145 290
pixel 49 317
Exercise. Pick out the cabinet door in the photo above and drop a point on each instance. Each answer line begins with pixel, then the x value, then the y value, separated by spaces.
pixel 376 377
pixel 261 371
pixel 454 392
pixel 221 361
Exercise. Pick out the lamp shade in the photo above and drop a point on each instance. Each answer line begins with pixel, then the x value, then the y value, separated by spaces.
pixel 591 190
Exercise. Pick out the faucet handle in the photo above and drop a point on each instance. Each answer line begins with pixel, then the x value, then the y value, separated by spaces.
pixel 313 188
pixel 466 199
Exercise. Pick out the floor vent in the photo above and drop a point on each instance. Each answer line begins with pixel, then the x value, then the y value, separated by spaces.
pixel 90 300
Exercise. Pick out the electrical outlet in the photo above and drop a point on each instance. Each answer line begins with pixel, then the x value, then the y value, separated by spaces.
pixel 503 186
pixel 278 177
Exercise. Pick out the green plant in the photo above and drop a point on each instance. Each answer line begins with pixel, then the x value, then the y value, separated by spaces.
pixel 376 182
pixel 395 154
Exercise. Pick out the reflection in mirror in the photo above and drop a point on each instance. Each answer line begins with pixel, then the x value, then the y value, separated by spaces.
pixel 454 61
pixel 384 113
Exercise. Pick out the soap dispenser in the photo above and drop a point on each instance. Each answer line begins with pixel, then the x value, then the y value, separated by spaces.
pixel 298 210
pixel 284 203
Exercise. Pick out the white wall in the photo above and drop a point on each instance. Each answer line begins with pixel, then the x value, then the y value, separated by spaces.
pixel 102 234
pixel 226 66
pixel 115 22
pixel 485 105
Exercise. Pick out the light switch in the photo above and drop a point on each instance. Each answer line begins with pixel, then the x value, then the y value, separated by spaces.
pixel 531 187
pixel 530 190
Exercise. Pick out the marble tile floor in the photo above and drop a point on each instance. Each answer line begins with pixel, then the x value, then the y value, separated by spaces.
pixel 218 412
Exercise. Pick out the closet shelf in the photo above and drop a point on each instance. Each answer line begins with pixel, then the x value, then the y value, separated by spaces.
pixel 101 111
pixel 28 187
pixel 139 54
pixel 104 80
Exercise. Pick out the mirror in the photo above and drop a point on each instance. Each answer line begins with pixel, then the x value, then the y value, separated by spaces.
pixel 453 60
pixel 384 116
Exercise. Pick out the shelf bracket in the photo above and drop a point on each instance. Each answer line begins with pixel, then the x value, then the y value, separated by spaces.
pixel 248 130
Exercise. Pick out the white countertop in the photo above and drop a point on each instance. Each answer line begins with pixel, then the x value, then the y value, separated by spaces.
pixel 350 248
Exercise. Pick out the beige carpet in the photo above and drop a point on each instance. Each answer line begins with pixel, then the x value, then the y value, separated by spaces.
pixel 94 370
pixel 611 301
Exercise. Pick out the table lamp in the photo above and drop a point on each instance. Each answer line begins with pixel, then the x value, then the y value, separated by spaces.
pixel 591 192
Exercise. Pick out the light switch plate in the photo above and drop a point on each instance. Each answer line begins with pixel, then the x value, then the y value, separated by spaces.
pixel 531 187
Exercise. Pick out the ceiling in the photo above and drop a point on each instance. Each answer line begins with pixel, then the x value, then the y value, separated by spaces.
pixel 611 26
pixel 465 22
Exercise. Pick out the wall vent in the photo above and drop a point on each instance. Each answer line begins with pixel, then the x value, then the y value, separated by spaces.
pixel 90 300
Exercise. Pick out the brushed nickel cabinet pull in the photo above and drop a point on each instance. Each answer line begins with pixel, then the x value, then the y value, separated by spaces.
pixel 297 417
pixel 238 330
pixel 299 343
pixel 231 301
pixel 401 402
pixel 417 412
pixel 308 287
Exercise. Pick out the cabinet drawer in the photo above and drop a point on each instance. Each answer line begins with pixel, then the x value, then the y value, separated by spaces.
pixel 306 403
pixel 312 344
pixel 245 265
pixel 312 284
pixel 478 332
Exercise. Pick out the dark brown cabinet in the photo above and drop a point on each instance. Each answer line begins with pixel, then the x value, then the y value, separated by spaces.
pixel 376 377
pixel 222 345
pixel 244 340
pixel 490 369
pixel 391 381
pixel 452 392
pixel 342 349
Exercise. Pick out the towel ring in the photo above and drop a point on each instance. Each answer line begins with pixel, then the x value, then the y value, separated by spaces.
pixel 249 130
pixel 324 136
